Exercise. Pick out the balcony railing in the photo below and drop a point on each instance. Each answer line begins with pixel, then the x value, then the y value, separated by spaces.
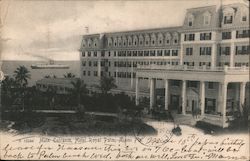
pixel 192 68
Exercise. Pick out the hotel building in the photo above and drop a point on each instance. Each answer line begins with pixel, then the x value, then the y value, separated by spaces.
pixel 203 64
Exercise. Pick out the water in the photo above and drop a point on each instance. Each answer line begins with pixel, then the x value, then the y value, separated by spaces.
pixel 8 67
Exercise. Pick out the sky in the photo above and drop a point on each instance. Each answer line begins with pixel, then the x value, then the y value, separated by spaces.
pixel 27 23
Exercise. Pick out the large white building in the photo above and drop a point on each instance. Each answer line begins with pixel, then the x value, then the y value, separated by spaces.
pixel 203 64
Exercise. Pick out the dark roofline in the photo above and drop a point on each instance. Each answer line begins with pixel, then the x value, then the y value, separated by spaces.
pixel 139 30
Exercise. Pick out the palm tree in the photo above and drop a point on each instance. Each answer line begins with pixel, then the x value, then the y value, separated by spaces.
pixel 8 90
pixel 22 74
pixel 7 84
pixel 69 75
pixel 106 84
pixel 79 89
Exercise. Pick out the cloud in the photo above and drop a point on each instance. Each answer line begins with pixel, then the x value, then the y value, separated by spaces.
pixel 28 22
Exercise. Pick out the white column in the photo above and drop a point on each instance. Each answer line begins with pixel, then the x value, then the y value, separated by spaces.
pixel 181 55
pixel 166 94
pixel 184 97
pixel 132 79
pixel 232 51
pixel 242 94
pixel 223 101
pixel 202 97
pixel 137 91
pixel 213 55
pixel 99 68
pixel 152 93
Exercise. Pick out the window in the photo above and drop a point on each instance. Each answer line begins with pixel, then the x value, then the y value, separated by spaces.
pixel 189 37
pixel 210 105
pixel 95 63
pixel 205 50
pixel 225 50
pixel 205 36
pixel 228 19
pixel 83 54
pixel 174 52
pixel 226 35
pixel 189 63
pixel 90 63
pixel 205 63
pixel 190 20
pixel 95 54
pixel 134 53
pixel 207 18
pixel 102 63
pixel 189 51
pixel 175 38
pixel 242 33
pixel 159 53
pixel 129 53
pixel 211 85
pixel 242 50
pixel 88 73
pixel 89 54
pixel 146 53
pixel 192 84
pixel 239 64
pixel 140 53
pixel 84 73
pixel 175 83
pixel 102 54
pixel 244 18
pixel 152 53
pixel 167 53
pixel 95 73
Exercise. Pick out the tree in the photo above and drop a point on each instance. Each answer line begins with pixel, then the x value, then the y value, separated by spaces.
pixel 8 90
pixel 79 89
pixel 51 93
pixel 22 74
pixel 106 84
pixel 69 75
pixel 7 84
pixel 47 76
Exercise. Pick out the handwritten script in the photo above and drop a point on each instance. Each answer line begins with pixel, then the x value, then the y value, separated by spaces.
pixel 189 147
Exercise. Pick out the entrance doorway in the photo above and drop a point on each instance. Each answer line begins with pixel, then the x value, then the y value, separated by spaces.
pixel 174 102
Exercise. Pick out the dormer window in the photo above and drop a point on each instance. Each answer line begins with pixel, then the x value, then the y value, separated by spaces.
pixel 207 18
pixel 190 20
pixel 228 14
pixel 228 19
pixel 167 38
pixel 175 37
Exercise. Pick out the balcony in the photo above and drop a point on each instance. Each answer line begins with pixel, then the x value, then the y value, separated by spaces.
pixel 224 69
pixel 194 73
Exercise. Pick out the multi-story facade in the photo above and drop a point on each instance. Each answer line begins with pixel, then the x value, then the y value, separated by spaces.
pixel 201 65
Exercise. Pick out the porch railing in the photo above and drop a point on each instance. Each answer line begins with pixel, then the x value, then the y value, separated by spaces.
pixel 192 68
